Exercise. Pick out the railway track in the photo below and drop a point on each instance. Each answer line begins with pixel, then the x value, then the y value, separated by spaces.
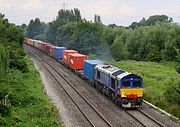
pixel 145 114
pixel 94 117
pixel 148 121
pixel 143 118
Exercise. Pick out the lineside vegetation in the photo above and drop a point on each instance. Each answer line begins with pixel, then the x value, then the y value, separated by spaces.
pixel 22 99
pixel 161 83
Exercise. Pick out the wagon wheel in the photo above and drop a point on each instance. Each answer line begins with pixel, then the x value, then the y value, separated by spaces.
pixel 104 90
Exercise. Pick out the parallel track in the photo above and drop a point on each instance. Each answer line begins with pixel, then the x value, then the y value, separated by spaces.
pixel 150 117
pixel 97 116
pixel 152 121
pixel 108 124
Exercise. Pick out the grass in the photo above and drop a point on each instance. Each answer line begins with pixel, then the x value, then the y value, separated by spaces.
pixel 158 81
pixel 30 106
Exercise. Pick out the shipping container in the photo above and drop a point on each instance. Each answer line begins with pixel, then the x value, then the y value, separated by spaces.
pixel 88 68
pixel 40 45
pixel 48 46
pixel 44 46
pixel 37 43
pixel 66 54
pixel 59 52
pixel 76 61
pixel 52 51
pixel 34 42
pixel 30 42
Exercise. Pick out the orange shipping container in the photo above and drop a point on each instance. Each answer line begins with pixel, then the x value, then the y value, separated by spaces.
pixel 66 54
pixel 30 42
pixel 76 61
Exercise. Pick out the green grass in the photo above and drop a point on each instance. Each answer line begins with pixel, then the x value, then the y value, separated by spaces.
pixel 30 106
pixel 158 81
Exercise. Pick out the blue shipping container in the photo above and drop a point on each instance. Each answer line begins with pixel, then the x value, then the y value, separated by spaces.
pixel 88 68
pixel 59 51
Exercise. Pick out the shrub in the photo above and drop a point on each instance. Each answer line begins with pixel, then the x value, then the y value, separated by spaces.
pixel 178 69
pixel 4 111
pixel 173 93
pixel 19 64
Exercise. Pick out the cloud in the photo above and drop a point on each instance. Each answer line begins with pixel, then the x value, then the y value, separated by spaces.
pixel 32 4
pixel 172 10
pixel 5 4
pixel 100 7
pixel 126 10
pixel 107 8
pixel 111 11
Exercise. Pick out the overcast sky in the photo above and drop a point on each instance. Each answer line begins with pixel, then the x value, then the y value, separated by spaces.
pixel 121 12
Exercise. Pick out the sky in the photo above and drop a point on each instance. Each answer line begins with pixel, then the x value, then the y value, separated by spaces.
pixel 120 12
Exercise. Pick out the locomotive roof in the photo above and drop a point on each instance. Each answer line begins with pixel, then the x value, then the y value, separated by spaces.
pixel 110 70
pixel 114 71
pixel 123 75
pixel 107 68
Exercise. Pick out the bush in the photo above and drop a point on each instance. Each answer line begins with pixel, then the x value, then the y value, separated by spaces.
pixel 4 111
pixel 4 60
pixel 178 69
pixel 19 64
pixel 173 93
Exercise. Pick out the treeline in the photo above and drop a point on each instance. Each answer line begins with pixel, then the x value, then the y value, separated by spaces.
pixel 11 52
pixel 12 58
pixel 152 39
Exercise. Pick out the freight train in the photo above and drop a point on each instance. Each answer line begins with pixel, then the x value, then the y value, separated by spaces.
pixel 124 88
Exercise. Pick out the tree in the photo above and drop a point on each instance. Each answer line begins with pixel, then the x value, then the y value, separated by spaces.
pixel 64 17
pixel 4 60
pixel 24 29
pixel 35 28
pixel 97 19
pixel 152 20
pixel 178 60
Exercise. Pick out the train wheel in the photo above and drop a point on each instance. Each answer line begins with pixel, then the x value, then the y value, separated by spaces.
pixel 104 90
pixel 96 85
pixel 114 98
pixel 110 95
pixel 100 88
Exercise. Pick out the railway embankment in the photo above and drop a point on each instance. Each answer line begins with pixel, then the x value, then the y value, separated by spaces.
pixel 26 103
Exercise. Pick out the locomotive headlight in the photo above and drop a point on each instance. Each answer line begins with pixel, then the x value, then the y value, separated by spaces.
pixel 123 95
pixel 139 95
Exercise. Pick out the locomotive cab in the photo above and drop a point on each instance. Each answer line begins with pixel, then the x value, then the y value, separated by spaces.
pixel 131 91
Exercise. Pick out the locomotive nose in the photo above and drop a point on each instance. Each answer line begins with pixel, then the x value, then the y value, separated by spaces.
pixel 131 93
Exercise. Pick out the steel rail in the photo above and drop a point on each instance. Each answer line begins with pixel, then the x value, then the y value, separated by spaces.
pixel 150 117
